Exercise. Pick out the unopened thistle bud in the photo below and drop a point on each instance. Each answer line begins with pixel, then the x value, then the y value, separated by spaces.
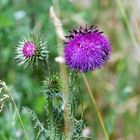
pixel 32 51
pixel 52 84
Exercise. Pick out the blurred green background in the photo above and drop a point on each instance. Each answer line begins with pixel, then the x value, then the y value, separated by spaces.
pixel 116 87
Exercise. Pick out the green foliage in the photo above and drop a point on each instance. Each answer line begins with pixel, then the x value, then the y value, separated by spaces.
pixel 73 104
pixel 41 131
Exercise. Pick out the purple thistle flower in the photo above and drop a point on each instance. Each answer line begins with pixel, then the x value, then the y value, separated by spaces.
pixel 29 49
pixel 87 49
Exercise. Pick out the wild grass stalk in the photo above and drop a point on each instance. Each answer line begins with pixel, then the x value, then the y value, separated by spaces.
pixel 16 108
pixel 96 107
pixel 132 36
pixel 135 19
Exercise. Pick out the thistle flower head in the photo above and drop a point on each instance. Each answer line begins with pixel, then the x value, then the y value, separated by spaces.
pixel 32 51
pixel 29 49
pixel 87 49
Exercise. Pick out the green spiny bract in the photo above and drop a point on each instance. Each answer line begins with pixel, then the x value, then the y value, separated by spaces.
pixel 52 84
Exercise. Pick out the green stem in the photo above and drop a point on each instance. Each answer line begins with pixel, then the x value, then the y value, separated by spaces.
pixel 96 107
pixel 50 108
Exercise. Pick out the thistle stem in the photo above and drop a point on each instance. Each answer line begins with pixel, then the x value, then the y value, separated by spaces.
pixel 50 107
pixel 96 107
pixel 8 91
pixel 63 73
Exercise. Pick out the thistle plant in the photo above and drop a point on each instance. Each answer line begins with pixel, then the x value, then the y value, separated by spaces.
pixel 86 49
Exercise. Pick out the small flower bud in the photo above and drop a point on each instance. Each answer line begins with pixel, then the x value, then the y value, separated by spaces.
pixel 32 51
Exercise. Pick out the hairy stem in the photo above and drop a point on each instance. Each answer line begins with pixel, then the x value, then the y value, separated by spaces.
pixel 50 107
pixel 63 74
